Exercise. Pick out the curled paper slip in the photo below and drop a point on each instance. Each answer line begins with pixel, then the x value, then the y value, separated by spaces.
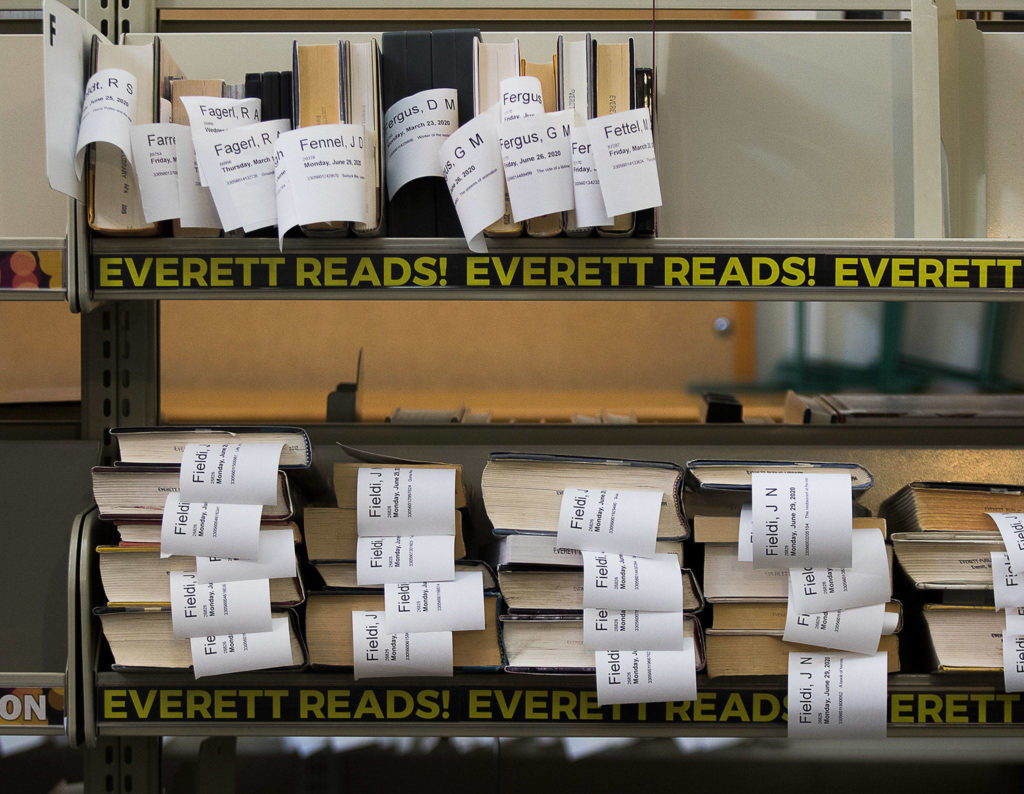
pixel 199 608
pixel 646 676
pixel 622 581
pixel 864 583
pixel 624 522
pixel 275 559
pixel 1011 529
pixel 521 97
pixel 395 559
pixel 379 654
pixel 108 113
pixel 536 154
pixel 457 605
pixel 238 652
pixel 415 128
pixel 230 473
pixel 837 695
pixel 857 630
pixel 471 166
pixel 623 147
pixel 586 184
pixel 155 156
pixel 208 529
pixel 396 500
pixel 629 630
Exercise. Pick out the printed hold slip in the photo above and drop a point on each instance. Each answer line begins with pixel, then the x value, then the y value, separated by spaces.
pixel 405 558
pixel 108 113
pixel 536 154
pixel 521 97
pixel 623 148
pixel 275 559
pixel 414 130
pixel 201 609
pixel 628 630
pixel 622 522
pixel 380 654
pixel 857 630
pixel 837 695
pixel 155 157
pixel 457 605
pixel 405 501
pixel 586 185
pixel 646 676
pixel 802 520
pixel 864 583
pixel 745 552
pixel 1006 584
pixel 471 166
pixel 208 529
pixel 620 581
pixel 230 473
pixel 236 653
pixel 195 203
pixel 1011 529
pixel 211 115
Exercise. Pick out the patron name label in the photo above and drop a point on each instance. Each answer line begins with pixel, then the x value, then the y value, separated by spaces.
pixel 381 654
pixel 209 529
pixel 405 501
pixel 230 473
pixel 837 695
pixel 623 522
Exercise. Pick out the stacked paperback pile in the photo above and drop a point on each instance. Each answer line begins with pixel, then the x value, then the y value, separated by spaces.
pixel 787 570
pixel 960 545
pixel 590 550
pixel 396 593
pixel 206 566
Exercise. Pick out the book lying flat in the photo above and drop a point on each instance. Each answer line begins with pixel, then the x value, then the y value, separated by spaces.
pixel 947 560
pixel 976 410
pixel 332 534
pixel 765 653
pixel 508 552
pixel 346 477
pixel 725 529
pixel 965 638
pixel 554 643
pixel 950 506
pixel 748 616
pixel 165 444
pixel 148 532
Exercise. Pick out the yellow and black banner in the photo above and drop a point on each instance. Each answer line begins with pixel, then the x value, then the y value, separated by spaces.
pixel 512 705
pixel 638 271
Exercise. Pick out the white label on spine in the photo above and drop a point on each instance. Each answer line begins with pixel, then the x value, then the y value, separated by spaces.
pixel 471 165
pixel 864 583
pixel 745 552
pixel 629 630
pixel 837 695
pixel 395 559
pixel 646 676
pixel 236 653
pixel 586 185
pixel 108 113
pixel 244 474
pixel 536 154
pixel 1006 584
pixel 380 654
pixel 414 130
pixel 617 522
pixel 1011 528
pixel 457 605
pixel 404 501
pixel 200 609
pixel 155 156
pixel 857 630
pixel 802 520
pixel 209 529
pixel 275 559
pixel 620 581
pixel 623 145
pixel 521 97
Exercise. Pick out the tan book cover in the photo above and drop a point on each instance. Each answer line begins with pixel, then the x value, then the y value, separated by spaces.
pixel 549 225
pixel 613 78
pixel 179 115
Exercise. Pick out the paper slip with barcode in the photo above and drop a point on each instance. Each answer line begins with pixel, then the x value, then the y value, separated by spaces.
pixel 1013 662
pixel 210 115
pixel 108 113
pixel 1007 586
pixel 620 581
pixel 415 128
pixel 629 629
pixel 617 522
pixel 209 529
pixel 646 676
pixel 394 559
pixel 155 157
pixel 200 609
pixel 236 653
pixel 275 559
pixel 623 148
pixel 802 520
pixel 587 196
pixel 457 605
pixel 536 155
pixel 230 473
pixel 857 630
pixel 471 166
pixel 380 654
pixel 837 695
pixel 1011 529
pixel 394 500
pixel 864 583
pixel 195 203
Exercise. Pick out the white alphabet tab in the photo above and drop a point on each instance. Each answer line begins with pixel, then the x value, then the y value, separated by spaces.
pixel 404 501
pixel 864 583
pixel 745 551
pixel 620 581
pixel 236 653
pixel 536 154
pixel 377 653
pixel 239 474
pixel 275 559
pixel 199 609
pixel 155 156
pixel 857 630
pixel 586 184
pixel 471 165
pixel 457 605
pixel 394 559
pixel 837 695
pixel 623 145
pixel 209 529
pixel 108 113
pixel 1006 584
pixel 646 676
pixel 629 630
pixel 1011 528
pixel 1013 662
pixel 622 522
pixel 521 97
pixel 802 520
pixel 414 130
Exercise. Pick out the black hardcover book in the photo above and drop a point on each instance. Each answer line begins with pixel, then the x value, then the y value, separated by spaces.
pixel 253 88
pixel 406 69
pixel 285 96
pixel 646 220
pixel 270 96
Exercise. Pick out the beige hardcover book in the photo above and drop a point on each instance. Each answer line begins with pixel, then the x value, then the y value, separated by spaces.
pixel 950 507
pixel 562 589
pixel 725 529
pixel 947 560
pixel 331 534
pixel 549 225
pixel 346 476
pixel 613 80
pixel 179 115
pixel 965 638
pixel 766 615
pixel 364 66
pixel 764 653
pixel 492 63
